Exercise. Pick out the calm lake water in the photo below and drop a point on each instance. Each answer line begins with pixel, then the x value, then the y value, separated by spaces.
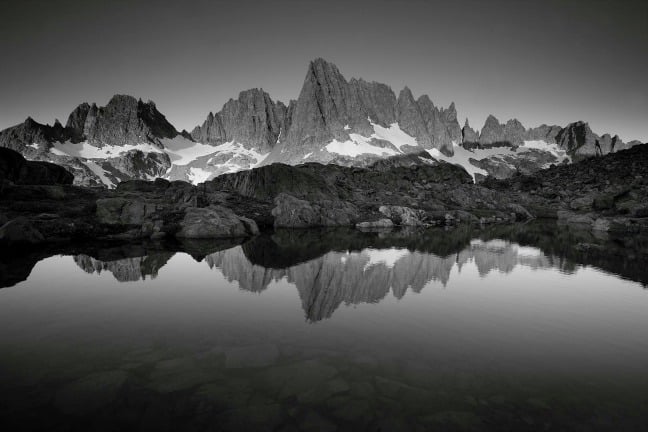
pixel 532 327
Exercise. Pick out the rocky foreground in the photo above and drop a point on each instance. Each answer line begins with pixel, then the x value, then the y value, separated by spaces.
pixel 607 193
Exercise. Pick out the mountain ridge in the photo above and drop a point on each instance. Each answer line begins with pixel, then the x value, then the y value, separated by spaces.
pixel 334 120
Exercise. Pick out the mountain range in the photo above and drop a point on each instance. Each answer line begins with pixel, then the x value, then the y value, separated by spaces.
pixel 350 123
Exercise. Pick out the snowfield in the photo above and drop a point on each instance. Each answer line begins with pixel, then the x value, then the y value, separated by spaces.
pixel 88 151
pixel 182 152
pixel 356 146
pixel 197 162
pixel 359 144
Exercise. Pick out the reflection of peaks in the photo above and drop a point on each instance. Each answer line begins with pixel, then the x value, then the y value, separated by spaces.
pixel 236 267
pixel 501 255
pixel 326 282
pixel 125 269
pixel 335 278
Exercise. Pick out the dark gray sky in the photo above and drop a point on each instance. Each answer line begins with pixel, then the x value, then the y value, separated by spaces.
pixel 542 62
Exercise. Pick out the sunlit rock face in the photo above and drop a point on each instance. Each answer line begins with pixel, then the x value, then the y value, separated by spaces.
pixel 333 121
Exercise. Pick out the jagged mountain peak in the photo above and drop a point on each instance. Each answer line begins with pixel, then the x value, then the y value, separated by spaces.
pixel 253 120
pixel 123 120
pixel 406 93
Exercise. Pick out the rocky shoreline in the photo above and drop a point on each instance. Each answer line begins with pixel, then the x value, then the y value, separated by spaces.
pixel 607 193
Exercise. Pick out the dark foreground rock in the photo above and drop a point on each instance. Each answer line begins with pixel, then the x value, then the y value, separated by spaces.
pixel 606 193
pixel 15 168
pixel 408 190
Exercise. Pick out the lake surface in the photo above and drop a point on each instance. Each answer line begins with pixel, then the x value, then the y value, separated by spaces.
pixel 525 327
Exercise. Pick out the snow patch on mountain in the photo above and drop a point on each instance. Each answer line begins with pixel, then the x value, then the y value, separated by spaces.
pixel 554 149
pixel 198 175
pixel 394 134
pixel 86 150
pixel 183 151
pixel 462 157
pixel 99 172
pixel 358 145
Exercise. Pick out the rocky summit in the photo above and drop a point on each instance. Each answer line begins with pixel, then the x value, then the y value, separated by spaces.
pixel 333 121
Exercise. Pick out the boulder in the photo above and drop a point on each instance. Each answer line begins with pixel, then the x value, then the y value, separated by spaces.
pixel 215 222
pixel 291 212
pixel 123 211
pixel 294 213
pixel 404 215
pixel 519 211
pixel 20 231
pixel 380 223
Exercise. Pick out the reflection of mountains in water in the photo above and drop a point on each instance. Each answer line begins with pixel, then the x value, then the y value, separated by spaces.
pixel 126 269
pixel 367 276
pixel 330 268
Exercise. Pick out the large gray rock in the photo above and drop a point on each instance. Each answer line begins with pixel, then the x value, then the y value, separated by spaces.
pixel 123 211
pixel 404 215
pixel 380 223
pixel 291 212
pixel 215 222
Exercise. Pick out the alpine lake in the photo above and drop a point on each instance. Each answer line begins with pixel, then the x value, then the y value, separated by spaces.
pixel 524 327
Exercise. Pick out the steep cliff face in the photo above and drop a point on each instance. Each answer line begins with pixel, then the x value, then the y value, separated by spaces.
pixel 468 134
pixel 254 120
pixel 579 140
pixel 124 120
pixel 333 121
pixel 352 122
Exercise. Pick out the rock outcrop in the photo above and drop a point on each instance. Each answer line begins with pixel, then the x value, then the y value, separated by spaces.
pixel 469 136
pixel 610 190
pixel 14 168
pixel 214 222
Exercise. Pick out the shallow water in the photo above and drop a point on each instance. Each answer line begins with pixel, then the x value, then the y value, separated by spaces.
pixel 521 328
